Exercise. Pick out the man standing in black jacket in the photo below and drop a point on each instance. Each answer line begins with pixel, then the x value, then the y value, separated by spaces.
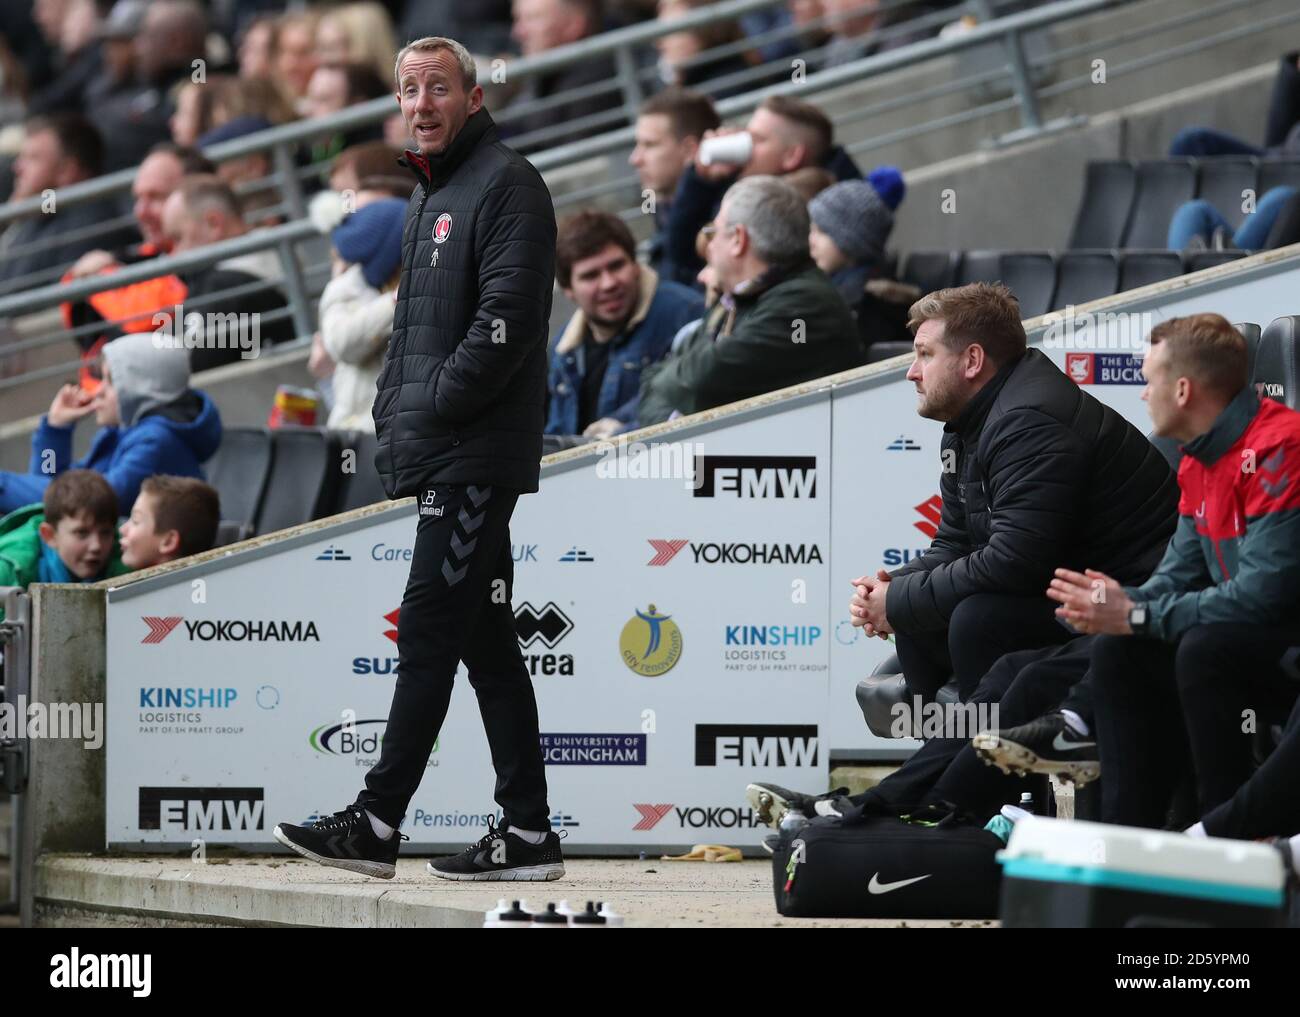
pixel 458 417
pixel 1036 473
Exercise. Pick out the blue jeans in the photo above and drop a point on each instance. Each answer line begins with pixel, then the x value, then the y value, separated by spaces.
pixel 1197 141
pixel 1200 219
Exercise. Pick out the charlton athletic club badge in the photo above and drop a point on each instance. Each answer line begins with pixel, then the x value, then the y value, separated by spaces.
pixel 442 228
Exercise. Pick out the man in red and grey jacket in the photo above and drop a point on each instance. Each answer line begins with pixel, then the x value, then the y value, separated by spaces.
pixel 1191 659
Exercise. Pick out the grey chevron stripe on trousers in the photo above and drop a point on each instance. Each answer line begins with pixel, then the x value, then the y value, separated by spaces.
pixel 457 608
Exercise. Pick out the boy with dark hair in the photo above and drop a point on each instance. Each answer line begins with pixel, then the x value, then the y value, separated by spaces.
pixel 173 517
pixel 67 538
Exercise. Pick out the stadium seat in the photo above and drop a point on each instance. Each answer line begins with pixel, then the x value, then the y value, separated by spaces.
pixel 1143 268
pixel 239 471
pixel 1278 173
pixel 1162 185
pixel 1031 276
pixel 979 266
pixel 1250 332
pixel 304 480
pixel 930 270
pixel 1209 259
pixel 1104 211
pixel 1221 182
pixel 1275 362
pixel 884 689
pixel 1083 276
pixel 232 531
pixel 364 486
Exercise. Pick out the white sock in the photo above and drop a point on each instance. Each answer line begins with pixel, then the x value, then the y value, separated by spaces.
pixel 382 830
pixel 528 836
pixel 826 807
pixel 1076 723
pixel 1196 830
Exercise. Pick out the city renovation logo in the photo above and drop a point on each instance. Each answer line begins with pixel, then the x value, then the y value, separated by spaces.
pixel 547 625
pixel 227 630
pixel 743 476
pixel 650 643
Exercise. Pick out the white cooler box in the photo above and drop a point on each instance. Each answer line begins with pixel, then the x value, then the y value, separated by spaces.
pixel 1063 873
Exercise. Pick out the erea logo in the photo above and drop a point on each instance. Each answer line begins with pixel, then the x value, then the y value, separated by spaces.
pixel 159 628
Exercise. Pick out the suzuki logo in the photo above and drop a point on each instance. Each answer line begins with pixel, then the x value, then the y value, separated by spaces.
pixel 931 512
pixel 391 618
pixel 159 628
pixel 550 624
pixel 665 551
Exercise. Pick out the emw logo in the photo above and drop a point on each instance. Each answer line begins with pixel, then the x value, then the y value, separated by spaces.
pixel 930 510
pixel 665 551
pixel 650 815
pixel 159 628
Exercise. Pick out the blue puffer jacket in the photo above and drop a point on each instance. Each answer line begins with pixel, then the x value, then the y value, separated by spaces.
pixel 174 438
pixel 663 307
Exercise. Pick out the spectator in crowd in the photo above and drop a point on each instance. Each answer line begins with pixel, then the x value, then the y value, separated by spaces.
pixel 67 537
pixel 131 308
pixel 117 44
pixel 542 25
pixel 1281 130
pixel 59 150
pixel 371 162
pixel 850 227
pixel 256 47
pixel 335 87
pixel 810 182
pixel 150 420
pixel 172 518
pixel 482 27
pixel 1181 659
pixel 197 105
pixel 244 171
pixel 356 308
pixel 626 319
pixel 202 211
pixel 1197 225
pixel 782 321
pixel 682 60
pixel 358 33
pixel 75 28
pixel 668 131
pixel 858 29
pixel 295 58
pixel 1038 475
pixel 786 134
pixel 171 38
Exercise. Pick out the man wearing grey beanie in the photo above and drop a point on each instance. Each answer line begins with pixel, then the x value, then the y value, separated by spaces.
pixel 850 227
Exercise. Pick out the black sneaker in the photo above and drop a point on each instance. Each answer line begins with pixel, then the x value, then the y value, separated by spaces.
pixel 501 855
pixel 1046 745
pixel 771 802
pixel 345 840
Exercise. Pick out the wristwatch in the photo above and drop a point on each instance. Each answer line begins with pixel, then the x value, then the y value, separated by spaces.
pixel 1137 619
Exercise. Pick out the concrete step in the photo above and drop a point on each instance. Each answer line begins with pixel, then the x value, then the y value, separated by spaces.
pixel 82 891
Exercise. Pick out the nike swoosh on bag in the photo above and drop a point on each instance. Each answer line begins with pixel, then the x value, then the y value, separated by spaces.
pixel 876 886
pixel 1063 746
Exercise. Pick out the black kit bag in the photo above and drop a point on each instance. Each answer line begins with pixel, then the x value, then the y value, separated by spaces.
pixel 932 862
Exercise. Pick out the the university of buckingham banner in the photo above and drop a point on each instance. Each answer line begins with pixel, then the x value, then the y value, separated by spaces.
pixel 682 609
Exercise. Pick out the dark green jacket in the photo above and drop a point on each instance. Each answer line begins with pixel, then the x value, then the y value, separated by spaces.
pixel 788 327
pixel 20 549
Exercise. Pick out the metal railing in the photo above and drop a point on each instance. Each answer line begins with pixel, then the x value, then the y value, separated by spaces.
pixel 15 690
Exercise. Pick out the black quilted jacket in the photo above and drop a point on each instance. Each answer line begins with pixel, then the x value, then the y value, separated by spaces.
pixel 462 393
pixel 1038 475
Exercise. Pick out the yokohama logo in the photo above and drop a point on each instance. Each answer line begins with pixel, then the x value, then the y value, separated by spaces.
pixel 159 628
pixel 930 514
pixel 665 551
pixel 650 815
